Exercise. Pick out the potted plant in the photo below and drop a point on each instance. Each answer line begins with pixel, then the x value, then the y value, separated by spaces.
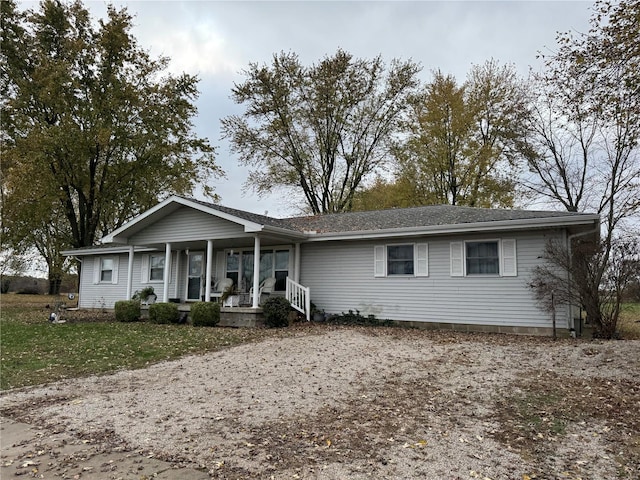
pixel 230 297
pixel 146 296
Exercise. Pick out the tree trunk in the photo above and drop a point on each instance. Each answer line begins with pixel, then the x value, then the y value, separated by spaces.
pixel 55 280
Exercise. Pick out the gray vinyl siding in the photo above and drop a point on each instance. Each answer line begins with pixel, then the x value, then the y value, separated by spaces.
pixel 103 294
pixel 187 224
pixel 106 294
pixel 341 278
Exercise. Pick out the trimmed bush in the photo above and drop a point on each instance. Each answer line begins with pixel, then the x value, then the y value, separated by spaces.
pixel 127 311
pixel 164 313
pixel 276 312
pixel 205 314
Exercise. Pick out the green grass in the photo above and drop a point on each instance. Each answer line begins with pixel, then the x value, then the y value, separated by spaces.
pixel 629 323
pixel 34 351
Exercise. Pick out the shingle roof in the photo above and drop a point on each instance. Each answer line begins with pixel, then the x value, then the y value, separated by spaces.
pixel 249 216
pixel 397 218
pixel 427 216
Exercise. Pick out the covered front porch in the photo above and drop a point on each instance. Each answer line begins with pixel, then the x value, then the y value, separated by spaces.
pixel 190 251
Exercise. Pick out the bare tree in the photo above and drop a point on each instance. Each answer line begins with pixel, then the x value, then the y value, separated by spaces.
pixel 601 293
pixel 583 145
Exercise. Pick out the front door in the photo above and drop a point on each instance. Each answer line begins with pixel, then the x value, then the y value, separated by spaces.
pixel 194 280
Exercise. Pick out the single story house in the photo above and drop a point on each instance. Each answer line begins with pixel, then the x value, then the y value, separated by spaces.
pixel 448 266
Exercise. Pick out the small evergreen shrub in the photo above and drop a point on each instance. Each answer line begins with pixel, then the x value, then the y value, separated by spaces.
pixel 356 318
pixel 164 313
pixel 127 311
pixel 205 314
pixel 276 312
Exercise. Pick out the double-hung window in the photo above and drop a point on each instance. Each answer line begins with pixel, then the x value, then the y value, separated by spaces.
pixel 484 257
pixel 281 269
pixel 400 260
pixel 152 268
pixel 156 268
pixel 410 259
pixel 105 269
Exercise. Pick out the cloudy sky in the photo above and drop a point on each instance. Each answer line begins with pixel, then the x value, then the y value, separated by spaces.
pixel 217 40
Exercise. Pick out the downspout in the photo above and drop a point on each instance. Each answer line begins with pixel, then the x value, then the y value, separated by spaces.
pixel 596 229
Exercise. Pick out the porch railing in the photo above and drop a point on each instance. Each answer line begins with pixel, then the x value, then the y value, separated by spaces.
pixel 299 297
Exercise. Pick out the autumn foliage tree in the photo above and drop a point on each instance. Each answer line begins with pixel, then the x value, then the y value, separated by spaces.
pixel 94 130
pixel 463 141
pixel 320 130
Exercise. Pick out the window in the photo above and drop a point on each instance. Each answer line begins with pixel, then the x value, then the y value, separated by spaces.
pixel 485 257
pixel 281 269
pixel 106 270
pixel 233 266
pixel 400 260
pixel 156 268
pixel 482 258
pixel 409 259
pixel 273 263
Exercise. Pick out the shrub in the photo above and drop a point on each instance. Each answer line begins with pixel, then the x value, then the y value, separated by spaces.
pixel 30 291
pixel 276 312
pixel 356 318
pixel 127 311
pixel 164 313
pixel 205 314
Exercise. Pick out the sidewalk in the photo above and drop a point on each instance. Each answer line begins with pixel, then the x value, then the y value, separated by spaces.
pixel 26 451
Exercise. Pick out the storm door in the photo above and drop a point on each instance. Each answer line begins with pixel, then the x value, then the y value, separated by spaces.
pixel 195 271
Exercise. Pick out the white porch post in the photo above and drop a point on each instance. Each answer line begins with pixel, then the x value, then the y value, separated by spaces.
pixel 167 271
pixel 256 272
pixel 296 263
pixel 130 274
pixel 207 283
pixel 175 290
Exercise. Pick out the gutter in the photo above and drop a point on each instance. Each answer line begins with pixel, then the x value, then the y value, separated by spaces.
pixel 456 228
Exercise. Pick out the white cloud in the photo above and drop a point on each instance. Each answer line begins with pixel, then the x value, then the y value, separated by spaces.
pixel 199 49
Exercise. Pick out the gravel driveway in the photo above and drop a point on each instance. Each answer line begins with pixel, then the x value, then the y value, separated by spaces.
pixel 339 402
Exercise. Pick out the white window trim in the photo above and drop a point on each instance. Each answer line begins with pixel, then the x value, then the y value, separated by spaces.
pixel 145 268
pixel 507 257
pixel 420 260
pixel 97 270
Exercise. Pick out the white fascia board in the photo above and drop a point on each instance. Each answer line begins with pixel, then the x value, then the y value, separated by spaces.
pixel 82 252
pixel 501 225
